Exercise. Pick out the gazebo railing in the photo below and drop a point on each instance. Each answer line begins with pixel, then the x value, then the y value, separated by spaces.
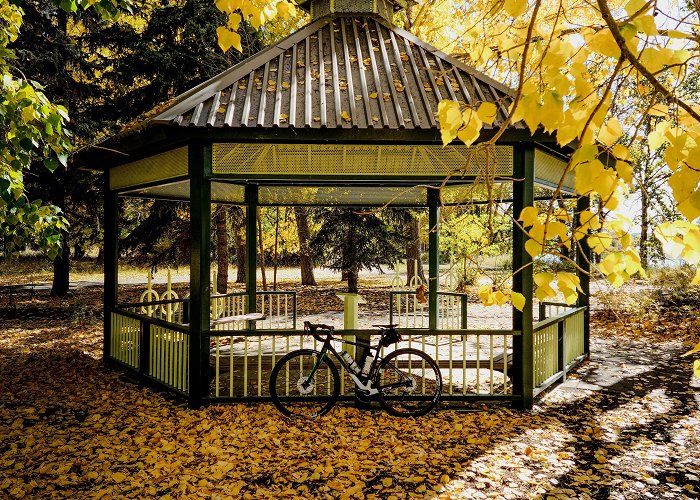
pixel 558 346
pixel 279 307
pixel 475 364
pixel 157 349
pixel 406 310
pixel 549 309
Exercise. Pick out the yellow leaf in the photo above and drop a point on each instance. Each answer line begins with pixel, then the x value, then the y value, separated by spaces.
pixel 515 8
pixel 500 298
pixel 634 6
pixel 603 43
pixel 386 482
pixel 486 295
pixel 693 350
pixel 518 300
pixel 228 39
pixel 234 21
pixel 450 119
pixel 533 248
pixel 373 95
pixel 624 170
pixel 696 279
pixel 468 135
pixel 658 110
pixel 335 484
pixel 487 112
pixel 621 152
pixel 118 477
pixel 444 479
pixel 528 216
pixel 691 206
pixel 345 116
pixel 610 132
pixel 696 368
pixel 647 25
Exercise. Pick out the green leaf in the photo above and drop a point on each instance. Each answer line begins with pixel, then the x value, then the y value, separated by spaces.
pixel 51 164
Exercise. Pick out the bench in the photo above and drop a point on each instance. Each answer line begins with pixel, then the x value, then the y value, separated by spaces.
pixel 227 320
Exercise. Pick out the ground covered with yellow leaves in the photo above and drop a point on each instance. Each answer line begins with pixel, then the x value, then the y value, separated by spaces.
pixel 627 426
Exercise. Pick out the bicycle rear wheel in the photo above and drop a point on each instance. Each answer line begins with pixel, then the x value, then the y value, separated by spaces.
pixel 409 383
pixel 294 394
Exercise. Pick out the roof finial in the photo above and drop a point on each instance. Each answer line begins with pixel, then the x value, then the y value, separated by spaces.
pixel 381 8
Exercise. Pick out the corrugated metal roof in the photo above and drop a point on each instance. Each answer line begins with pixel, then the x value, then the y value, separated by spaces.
pixel 340 72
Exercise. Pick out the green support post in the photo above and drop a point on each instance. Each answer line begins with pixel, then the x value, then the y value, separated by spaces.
pixel 251 242
pixel 199 162
pixel 583 259
pixel 433 255
pixel 523 348
pixel 111 263
pixel 464 303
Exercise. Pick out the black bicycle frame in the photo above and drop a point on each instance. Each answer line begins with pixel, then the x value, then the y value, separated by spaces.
pixel 328 346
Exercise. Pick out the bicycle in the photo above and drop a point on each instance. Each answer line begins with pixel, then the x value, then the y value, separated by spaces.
pixel 306 383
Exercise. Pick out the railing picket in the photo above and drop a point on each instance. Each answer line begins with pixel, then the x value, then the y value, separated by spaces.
pixel 245 367
pixel 478 364
pixel 491 364
pixel 464 364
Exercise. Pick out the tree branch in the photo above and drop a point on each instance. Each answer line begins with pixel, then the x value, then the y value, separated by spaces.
pixel 627 54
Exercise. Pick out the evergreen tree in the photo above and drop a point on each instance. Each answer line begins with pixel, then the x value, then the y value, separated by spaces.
pixel 350 240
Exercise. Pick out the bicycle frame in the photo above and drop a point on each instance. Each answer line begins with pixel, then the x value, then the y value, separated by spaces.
pixel 365 385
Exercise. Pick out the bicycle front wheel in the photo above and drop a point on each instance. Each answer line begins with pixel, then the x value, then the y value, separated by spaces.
pixel 409 383
pixel 296 393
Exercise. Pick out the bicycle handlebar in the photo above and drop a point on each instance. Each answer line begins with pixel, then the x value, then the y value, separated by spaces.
pixel 312 327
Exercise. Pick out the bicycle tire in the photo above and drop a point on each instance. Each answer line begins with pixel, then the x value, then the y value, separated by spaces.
pixel 398 368
pixel 290 398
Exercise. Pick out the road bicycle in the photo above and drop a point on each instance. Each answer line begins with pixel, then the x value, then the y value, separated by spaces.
pixel 306 382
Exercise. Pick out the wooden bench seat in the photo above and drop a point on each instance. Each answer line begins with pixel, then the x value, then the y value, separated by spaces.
pixel 225 320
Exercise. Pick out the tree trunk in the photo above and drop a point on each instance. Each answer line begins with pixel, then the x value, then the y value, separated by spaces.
pixel 275 251
pixel 261 256
pixel 351 273
pixel 353 279
pixel 301 215
pixel 61 264
pixel 221 250
pixel 644 236
pixel 61 269
pixel 413 252
pixel 238 222
pixel 240 255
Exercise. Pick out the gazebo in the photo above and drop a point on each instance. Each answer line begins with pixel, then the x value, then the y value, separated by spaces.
pixel 343 113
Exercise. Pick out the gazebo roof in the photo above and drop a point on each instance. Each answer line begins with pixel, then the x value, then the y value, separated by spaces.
pixel 350 98
pixel 338 72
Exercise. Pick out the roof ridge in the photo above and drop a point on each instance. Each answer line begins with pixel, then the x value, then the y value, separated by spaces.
pixel 217 81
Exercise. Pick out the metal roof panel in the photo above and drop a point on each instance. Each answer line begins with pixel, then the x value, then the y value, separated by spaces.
pixel 340 72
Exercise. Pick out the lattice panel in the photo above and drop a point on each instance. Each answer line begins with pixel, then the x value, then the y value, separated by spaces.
pixel 342 195
pixel 548 171
pixel 359 160
pixel 220 192
pixel 155 168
